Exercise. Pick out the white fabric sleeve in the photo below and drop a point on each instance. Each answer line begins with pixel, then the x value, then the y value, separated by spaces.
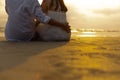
pixel 38 13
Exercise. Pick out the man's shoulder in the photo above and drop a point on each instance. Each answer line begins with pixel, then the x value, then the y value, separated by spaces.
pixel 30 2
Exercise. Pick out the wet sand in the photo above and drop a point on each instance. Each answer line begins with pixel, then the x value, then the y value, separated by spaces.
pixel 79 59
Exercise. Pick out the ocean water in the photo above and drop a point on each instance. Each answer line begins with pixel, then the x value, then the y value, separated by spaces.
pixel 95 33
pixel 76 33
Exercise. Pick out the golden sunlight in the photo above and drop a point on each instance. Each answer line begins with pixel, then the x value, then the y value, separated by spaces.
pixel 86 6
pixel 94 4
pixel 88 34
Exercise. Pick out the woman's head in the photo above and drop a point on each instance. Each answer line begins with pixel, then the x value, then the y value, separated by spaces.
pixel 58 5
pixel 54 5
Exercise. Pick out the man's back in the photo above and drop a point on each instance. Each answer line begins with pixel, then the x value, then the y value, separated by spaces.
pixel 21 15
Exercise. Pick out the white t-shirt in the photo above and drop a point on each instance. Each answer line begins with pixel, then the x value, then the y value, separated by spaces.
pixel 21 14
pixel 53 33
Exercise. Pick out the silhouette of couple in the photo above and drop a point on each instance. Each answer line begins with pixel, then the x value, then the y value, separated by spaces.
pixel 28 21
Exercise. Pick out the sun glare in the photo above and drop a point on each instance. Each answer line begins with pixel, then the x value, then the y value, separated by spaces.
pixel 85 33
pixel 86 6
pixel 88 34
pixel 94 4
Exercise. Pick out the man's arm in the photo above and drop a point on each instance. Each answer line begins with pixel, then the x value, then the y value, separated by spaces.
pixel 63 26
pixel 40 16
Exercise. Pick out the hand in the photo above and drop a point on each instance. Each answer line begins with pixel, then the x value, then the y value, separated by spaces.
pixel 66 28
pixel 63 26
pixel 36 22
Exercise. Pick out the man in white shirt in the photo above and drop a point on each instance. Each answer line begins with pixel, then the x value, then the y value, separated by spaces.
pixel 21 20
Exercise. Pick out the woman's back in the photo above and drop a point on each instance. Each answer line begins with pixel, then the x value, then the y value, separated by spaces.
pixel 53 9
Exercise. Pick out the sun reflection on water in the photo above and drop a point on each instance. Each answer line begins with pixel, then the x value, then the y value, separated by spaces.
pixel 88 34
pixel 84 33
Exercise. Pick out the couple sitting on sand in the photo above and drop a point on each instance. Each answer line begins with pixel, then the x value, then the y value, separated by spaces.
pixel 27 21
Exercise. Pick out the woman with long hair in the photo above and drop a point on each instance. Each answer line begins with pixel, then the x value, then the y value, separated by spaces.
pixel 56 9
pixel 53 5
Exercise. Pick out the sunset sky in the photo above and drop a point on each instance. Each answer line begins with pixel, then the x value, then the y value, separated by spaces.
pixel 98 14
pixel 95 14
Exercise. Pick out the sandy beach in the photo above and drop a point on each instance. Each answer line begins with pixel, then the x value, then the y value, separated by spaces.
pixel 82 58
pixel 93 53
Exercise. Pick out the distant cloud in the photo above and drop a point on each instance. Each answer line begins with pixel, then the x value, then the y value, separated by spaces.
pixel 101 18
pixel 107 11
